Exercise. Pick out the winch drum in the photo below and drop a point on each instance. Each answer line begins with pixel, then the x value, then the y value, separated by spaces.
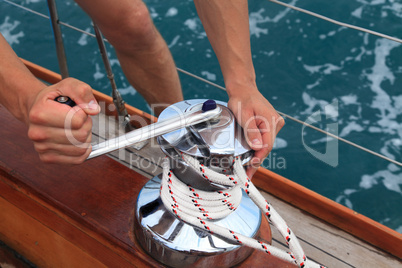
pixel 168 239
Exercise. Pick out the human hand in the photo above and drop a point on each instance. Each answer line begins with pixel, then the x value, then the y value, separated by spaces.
pixel 260 121
pixel 62 134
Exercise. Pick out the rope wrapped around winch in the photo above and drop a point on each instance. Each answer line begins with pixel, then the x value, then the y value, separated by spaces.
pixel 181 199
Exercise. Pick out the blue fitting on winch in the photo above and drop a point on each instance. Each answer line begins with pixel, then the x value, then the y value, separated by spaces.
pixel 208 105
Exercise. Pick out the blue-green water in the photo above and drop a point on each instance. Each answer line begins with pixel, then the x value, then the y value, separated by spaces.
pixel 303 65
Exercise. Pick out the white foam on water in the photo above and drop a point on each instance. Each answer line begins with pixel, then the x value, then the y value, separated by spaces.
pixel 330 111
pixel 351 126
pixel 330 33
pixel 256 18
pixel 391 178
pixel 374 129
pixel 312 69
pixel 315 84
pixel 129 90
pixel 312 103
pixel 268 53
pixel 396 9
pixel 380 72
pixel 392 145
pixel 83 40
pixel 344 198
pixel 34 1
pixel 358 12
pixel 280 143
pixel 193 24
pixel 349 99
pixel 326 68
pixel 360 55
pixel 372 2
pixel 153 13
pixel 283 13
pixel 208 75
pixel 171 12
pixel 174 41
pixel 6 29
pixel 114 61
pixel 99 74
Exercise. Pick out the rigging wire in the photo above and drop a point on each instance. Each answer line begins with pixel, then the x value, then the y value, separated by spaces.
pixel 337 22
pixel 223 88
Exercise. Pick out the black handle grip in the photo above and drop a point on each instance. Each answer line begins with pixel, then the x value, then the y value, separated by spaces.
pixel 65 100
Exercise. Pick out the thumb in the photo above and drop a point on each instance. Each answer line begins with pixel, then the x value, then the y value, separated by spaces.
pixel 253 134
pixel 90 108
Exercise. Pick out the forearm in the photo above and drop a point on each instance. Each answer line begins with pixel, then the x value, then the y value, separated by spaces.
pixel 227 27
pixel 18 87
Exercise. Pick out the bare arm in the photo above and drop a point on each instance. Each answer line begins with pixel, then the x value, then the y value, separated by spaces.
pixel 226 23
pixel 32 102
pixel 227 27
pixel 18 87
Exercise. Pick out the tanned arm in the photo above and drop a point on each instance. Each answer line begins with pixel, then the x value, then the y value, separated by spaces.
pixel 32 102
pixel 226 23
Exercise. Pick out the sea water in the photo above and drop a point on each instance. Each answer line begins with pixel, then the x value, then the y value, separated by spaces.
pixel 338 79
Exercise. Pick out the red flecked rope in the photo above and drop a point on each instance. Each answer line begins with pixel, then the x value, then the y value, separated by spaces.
pixel 197 207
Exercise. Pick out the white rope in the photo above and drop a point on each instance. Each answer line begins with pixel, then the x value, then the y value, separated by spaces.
pixel 199 208
pixel 223 88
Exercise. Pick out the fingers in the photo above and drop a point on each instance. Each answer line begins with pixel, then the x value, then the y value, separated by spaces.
pixel 57 115
pixel 53 157
pixel 261 123
pixel 54 135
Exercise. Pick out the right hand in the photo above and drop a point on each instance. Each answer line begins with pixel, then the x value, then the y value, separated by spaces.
pixel 62 134
pixel 260 122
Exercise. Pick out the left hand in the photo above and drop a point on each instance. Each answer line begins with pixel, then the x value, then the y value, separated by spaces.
pixel 260 121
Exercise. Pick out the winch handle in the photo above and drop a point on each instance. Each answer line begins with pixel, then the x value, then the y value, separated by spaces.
pixel 208 111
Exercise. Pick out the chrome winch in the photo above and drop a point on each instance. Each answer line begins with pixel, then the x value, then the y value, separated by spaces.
pixel 214 143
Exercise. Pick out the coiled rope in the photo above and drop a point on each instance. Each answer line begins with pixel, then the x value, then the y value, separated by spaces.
pixel 199 208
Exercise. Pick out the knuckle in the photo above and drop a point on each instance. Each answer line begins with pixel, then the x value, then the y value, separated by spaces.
pixel 69 80
pixel 281 122
pixel 36 135
pixel 47 158
pixel 88 124
pixel 79 120
pixel 81 151
pixel 80 159
pixel 40 148
pixel 84 89
pixel 82 135
pixel 36 116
